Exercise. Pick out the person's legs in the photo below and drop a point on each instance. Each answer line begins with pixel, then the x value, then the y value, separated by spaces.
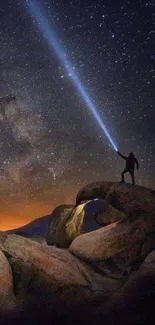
pixel 123 173
pixel 132 176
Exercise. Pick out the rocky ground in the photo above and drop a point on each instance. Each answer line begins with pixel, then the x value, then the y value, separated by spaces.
pixel 93 262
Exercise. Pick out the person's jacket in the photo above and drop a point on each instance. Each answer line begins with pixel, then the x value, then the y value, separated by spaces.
pixel 130 161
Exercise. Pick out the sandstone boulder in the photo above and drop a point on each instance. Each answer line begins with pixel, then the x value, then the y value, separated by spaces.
pixel 119 245
pixel 47 275
pixel 67 222
pixel 90 216
pixel 128 198
pixel 108 214
pixel 92 191
pixel 56 232
pixel 124 197
pixel 7 298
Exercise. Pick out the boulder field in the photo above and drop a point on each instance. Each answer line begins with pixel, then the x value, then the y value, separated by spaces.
pixel 95 264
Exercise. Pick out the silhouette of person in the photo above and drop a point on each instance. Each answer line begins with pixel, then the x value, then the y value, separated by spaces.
pixel 131 161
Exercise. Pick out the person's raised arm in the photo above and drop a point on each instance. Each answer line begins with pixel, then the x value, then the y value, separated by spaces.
pixel 121 155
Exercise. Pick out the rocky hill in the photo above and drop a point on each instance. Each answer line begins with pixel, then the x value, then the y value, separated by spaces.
pixel 96 264
pixel 36 230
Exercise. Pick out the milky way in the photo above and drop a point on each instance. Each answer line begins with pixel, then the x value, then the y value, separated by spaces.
pixel 50 144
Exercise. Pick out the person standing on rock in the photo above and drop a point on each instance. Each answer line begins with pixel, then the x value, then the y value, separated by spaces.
pixel 131 161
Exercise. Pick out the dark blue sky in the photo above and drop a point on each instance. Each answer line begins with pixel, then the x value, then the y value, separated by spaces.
pixel 50 144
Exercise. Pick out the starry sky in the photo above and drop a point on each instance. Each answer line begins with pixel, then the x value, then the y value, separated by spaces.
pixel 50 144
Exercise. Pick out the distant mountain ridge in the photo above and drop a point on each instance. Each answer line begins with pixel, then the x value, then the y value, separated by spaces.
pixel 35 229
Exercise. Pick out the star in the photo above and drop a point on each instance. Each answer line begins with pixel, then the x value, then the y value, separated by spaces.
pixel 50 143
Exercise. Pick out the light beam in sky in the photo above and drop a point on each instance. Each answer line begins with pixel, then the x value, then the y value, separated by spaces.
pixel 40 19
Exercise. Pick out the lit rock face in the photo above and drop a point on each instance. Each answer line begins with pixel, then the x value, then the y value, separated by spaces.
pixel 82 219
pixel 115 202
pixel 71 222
pixel 68 223
pixel 56 232
pixel 90 216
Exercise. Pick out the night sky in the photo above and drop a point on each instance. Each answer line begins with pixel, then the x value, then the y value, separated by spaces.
pixel 50 144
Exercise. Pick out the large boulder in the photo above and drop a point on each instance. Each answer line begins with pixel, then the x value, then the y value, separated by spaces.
pixel 90 216
pixel 134 302
pixel 108 214
pixel 128 198
pixel 92 191
pixel 124 197
pixel 67 222
pixel 56 231
pixel 119 245
pixel 46 275
pixel 7 298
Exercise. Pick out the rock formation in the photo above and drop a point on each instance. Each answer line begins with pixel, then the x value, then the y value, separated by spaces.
pixel 98 259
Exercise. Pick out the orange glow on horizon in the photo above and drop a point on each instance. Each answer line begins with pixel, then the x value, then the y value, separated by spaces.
pixel 22 216
pixel 18 214
pixel 17 211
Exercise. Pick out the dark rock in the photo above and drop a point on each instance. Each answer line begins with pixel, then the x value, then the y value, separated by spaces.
pixel 56 231
pixel 128 198
pixel 124 197
pixel 93 191
pixel 134 302
pixel 103 277
pixel 108 214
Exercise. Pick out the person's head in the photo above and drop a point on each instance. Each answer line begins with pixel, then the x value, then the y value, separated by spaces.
pixel 131 154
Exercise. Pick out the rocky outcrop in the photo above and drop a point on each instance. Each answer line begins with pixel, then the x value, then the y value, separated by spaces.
pixel 93 191
pixel 83 219
pixel 134 302
pixel 43 273
pixel 124 197
pixel 108 266
pixel 108 214
pixel 123 243
pixel 7 298
pixel 86 217
pixel 127 214
pixel 56 232
pixel 128 198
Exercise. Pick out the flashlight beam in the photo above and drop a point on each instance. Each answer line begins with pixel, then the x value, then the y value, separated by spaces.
pixel 37 14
